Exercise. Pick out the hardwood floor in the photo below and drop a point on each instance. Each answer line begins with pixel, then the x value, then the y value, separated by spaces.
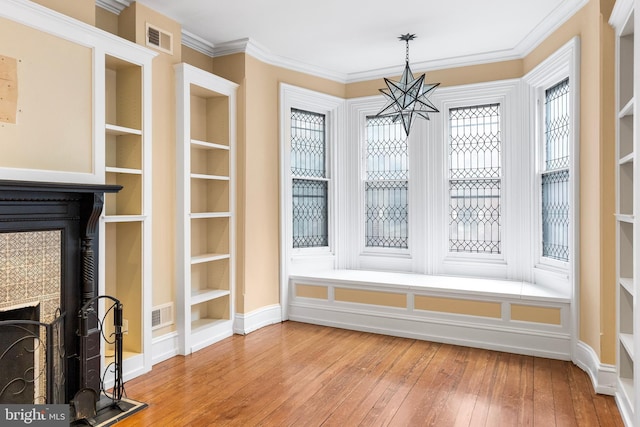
pixel 294 374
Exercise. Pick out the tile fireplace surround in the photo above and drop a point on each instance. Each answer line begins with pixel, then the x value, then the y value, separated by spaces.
pixel 30 271
pixel 48 257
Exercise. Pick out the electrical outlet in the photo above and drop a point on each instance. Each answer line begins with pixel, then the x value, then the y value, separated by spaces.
pixel 125 326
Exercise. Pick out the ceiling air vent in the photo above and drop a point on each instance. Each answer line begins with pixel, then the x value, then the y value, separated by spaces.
pixel 159 39
pixel 162 316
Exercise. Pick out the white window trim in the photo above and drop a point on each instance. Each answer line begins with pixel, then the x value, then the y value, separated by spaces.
pixel 565 62
pixel 560 65
pixel 509 263
pixel 363 257
pixel 306 259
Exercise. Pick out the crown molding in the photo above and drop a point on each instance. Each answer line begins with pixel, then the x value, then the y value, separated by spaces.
pixel 113 6
pixel 252 48
pixel 620 14
pixel 197 43
pixel 451 62
pixel 551 23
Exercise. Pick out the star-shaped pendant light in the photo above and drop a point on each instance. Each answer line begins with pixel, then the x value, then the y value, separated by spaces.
pixel 409 96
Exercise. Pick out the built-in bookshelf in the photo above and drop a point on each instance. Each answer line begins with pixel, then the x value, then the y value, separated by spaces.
pixel 206 107
pixel 627 231
pixel 126 223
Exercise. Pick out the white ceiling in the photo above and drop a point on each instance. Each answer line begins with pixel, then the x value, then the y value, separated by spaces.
pixel 359 38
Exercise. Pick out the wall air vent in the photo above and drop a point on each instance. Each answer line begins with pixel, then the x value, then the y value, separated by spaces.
pixel 159 39
pixel 162 316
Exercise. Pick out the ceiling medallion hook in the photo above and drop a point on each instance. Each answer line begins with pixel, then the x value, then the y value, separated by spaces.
pixel 409 96
pixel 407 38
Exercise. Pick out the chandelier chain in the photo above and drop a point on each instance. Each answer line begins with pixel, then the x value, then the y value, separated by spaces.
pixel 407 55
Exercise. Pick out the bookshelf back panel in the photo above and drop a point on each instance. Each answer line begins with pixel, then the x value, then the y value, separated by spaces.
pixel 209 195
pixel 209 161
pixel 127 201
pixel 209 235
pixel 210 275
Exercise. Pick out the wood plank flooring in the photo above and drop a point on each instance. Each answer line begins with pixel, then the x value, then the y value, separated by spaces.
pixel 294 374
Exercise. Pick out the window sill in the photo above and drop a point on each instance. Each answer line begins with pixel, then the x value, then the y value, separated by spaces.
pixel 466 286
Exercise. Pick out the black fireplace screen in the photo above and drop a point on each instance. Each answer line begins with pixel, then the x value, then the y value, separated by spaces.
pixel 32 368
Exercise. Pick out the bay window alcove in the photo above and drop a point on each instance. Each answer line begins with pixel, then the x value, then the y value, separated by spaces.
pixel 444 234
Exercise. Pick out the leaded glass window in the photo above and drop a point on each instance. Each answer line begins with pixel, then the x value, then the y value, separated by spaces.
pixel 475 177
pixel 309 179
pixel 386 184
pixel 555 174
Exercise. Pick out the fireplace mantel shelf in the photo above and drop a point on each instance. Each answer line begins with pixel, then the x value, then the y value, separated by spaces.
pixel 8 185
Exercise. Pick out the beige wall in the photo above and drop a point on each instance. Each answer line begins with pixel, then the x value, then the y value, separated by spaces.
pixel 450 77
pixel 106 20
pixel 197 59
pixel 82 10
pixel 53 128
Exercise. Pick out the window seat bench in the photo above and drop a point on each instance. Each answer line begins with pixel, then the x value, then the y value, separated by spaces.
pixel 513 316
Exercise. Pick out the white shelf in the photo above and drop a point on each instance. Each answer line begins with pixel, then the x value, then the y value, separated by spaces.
pixel 208 145
pixel 200 296
pixel 627 342
pixel 625 218
pixel 111 169
pixel 627 284
pixel 627 110
pixel 629 158
pixel 121 130
pixel 205 215
pixel 124 218
pixel 209 177
pixel 627 388
pixel 198 259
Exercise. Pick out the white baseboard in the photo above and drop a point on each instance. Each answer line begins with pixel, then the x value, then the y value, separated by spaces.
pixel 132 367
pixel 603 376
pixel 624 406
pixel 467 331
pixel 164 347
pixel 254 320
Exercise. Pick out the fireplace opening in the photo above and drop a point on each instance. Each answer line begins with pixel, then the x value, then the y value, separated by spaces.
pixel 20 356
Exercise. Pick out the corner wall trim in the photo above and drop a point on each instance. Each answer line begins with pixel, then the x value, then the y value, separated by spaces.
pixel 256 319
pixel 603 376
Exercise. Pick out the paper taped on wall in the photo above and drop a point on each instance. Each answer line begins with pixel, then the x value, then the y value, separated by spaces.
pixel 8 89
